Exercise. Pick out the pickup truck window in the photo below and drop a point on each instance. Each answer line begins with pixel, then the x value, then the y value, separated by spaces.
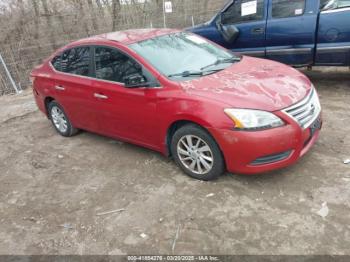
pixel 243 11
pixel 334 4
pixel 286 8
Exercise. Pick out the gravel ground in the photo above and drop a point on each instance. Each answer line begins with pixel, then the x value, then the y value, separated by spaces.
pixel 53 191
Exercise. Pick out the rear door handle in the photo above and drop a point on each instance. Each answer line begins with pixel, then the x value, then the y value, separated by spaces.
pixel 96 95
pixel 61 88
pixel 258 30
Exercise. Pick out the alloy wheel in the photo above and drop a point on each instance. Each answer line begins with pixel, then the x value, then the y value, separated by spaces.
pixel 59 119
pixel 195 154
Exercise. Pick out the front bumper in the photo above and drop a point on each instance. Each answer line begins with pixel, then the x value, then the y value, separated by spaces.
pixel 262 151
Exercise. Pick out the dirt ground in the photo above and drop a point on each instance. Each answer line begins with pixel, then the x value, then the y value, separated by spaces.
pixel 53 191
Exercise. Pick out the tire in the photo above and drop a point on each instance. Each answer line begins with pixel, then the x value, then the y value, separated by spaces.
pixel 60 120
pixel 203 148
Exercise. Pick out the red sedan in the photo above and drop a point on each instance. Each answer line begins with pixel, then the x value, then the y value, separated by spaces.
pixel 181 95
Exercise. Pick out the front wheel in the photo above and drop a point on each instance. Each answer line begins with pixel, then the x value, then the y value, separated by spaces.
pixel 197 153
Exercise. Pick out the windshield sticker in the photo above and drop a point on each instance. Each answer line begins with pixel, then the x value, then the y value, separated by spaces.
pixel 196 39
pixel 249 8
pixel 298 11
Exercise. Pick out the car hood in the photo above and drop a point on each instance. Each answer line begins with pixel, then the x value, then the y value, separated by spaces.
pixel 254 84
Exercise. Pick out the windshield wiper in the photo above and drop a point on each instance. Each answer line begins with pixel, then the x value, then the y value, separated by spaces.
pixel 195 73
pixel 187 74
pixel 223 61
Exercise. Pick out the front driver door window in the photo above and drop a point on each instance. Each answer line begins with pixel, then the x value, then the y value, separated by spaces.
pixel 249 17
pixel 113 65
pixel 124 112
pixel 242 11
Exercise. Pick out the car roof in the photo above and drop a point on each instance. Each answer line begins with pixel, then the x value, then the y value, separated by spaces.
pixel 128 37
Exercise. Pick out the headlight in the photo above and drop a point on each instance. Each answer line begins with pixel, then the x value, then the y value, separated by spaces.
pixel 246 119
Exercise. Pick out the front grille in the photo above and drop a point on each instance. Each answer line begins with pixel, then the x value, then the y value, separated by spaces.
pixel 271 158
pixel 306 111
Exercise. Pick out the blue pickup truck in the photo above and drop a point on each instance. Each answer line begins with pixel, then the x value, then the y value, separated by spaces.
pixel 297 32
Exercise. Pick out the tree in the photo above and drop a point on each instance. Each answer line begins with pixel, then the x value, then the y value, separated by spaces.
pixel 115 13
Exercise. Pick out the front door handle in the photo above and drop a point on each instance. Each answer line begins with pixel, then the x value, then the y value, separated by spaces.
pixel 258 30
pixel 100 96
pixel 60 88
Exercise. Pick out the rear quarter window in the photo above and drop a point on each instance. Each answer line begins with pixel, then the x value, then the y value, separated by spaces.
pixel 56 62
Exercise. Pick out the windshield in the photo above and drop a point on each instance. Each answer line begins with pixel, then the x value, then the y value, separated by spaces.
pixel 182 55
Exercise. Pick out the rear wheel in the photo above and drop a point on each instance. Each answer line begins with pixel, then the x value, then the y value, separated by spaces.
pixel 60 120
pixel 197 153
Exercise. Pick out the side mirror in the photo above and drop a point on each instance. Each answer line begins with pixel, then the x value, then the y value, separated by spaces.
pixel 218 21
pixel 229 32
pixel 135 80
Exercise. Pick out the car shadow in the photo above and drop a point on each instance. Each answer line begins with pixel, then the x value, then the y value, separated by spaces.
pixel 142 152
pixel 329 75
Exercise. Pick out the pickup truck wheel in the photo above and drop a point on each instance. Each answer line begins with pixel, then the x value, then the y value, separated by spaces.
pixel 60 120
pixel 197 153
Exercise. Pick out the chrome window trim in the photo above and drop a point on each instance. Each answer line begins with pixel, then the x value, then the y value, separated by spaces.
pixel 87 77
pixel 95 78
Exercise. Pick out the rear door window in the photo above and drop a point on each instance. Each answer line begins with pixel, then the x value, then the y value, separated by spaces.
pixel 76 61
pixel 287 8
pixel 243 11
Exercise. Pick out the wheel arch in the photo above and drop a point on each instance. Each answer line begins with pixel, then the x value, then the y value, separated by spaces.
pixel 47 101
pixel 176 124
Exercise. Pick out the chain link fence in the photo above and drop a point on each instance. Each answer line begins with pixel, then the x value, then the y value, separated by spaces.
pixel 41 36
pixel 7 83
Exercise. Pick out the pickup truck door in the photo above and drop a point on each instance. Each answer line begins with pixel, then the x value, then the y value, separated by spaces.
pixel 291 31
pixel 333 44
pixel 246 21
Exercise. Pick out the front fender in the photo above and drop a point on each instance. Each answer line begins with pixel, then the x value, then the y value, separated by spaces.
pixel 206 114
